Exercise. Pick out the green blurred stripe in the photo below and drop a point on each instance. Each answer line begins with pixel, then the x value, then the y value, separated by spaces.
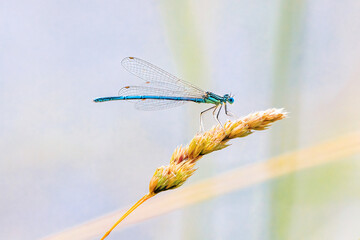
pixel 186 43
pixel 286 86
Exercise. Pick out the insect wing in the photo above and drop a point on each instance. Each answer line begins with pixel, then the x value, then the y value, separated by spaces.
pixel 156 77
pixel 157 104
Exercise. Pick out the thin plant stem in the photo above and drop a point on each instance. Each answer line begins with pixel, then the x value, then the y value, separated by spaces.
pixel 138 203
pixel 183 161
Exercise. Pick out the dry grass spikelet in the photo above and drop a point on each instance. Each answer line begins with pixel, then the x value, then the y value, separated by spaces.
pixel 204 143
pixel 183 160
pixel 171 176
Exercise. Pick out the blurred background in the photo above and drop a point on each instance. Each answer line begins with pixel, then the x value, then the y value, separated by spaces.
pixel 65 160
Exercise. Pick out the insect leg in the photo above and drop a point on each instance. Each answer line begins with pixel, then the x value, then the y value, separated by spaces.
pixel 201 122
pixel 228 112
pixel 217 116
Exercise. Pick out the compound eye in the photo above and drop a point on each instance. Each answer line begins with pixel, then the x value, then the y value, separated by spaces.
pixel 231 100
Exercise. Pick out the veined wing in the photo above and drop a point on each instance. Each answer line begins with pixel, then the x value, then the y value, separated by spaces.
pixel 157 104
pixel 153 91
pixel 153 104
pixel 156 77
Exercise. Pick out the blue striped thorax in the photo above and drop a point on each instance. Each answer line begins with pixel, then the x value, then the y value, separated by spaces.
pixel 216 99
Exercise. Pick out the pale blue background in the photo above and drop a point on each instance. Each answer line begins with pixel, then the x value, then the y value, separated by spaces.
pixel 65 160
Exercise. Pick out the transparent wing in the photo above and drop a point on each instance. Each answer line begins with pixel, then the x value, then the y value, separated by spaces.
pixel 156 77
pixel 157 104
pixel 147 90
pixel 152 104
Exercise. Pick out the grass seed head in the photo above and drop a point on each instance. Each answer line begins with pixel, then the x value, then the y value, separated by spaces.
pixel 183 160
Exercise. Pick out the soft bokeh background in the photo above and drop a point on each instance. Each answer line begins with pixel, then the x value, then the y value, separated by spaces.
pixel 66 160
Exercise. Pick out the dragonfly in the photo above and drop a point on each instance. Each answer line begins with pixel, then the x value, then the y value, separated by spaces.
pixel 162 90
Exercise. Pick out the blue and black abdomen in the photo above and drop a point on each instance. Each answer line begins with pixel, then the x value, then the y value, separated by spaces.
pixel 105 99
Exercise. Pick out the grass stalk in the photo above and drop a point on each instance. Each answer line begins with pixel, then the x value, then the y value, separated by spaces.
pixel 183 160
pixel 137 204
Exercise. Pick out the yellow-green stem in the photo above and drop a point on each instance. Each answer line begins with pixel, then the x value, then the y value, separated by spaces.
pixel 138 203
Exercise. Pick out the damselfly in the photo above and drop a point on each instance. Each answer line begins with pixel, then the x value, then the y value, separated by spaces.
pixel 163 90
